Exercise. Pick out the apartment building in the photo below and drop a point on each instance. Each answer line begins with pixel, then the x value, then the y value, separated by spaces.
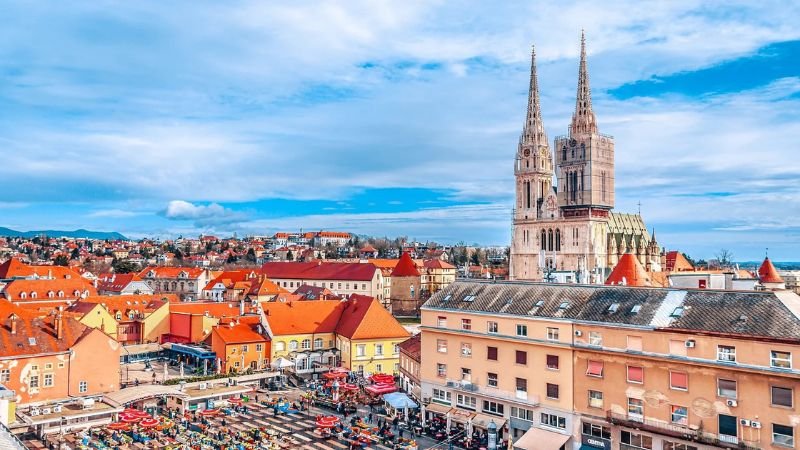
pixel 344 279
pixel 186 282
pixel 615 367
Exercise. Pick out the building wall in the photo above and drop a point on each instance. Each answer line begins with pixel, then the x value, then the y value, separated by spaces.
pixel 405 296
pixel 100 318
pixel 372 361
pixel 372 288
pixel 240 356
pixel 280 348
pixel 156 324
pixel 94 360
pixel 16 374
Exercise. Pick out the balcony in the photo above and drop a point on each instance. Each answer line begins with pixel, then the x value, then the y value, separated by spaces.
pixel 677 431
pixel 472 386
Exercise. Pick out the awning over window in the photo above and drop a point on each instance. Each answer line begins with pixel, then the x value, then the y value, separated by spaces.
pixel 482 421
pixel 539 439
pixel 595 368
pixel 438 408
pixel 461 416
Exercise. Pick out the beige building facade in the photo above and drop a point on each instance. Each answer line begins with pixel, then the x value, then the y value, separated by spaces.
pixel 615 367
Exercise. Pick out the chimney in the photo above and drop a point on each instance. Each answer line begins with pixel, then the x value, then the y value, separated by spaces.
pixel 59 324
pixel 241 307
pixel 12 319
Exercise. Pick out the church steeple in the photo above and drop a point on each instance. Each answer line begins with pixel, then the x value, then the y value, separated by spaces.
pixel 583 119
pixel 533 132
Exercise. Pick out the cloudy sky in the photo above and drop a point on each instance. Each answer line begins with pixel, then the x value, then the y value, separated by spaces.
pixel 393 118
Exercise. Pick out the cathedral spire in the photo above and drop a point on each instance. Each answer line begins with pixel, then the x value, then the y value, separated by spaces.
pixel 533 132
pixel 583 119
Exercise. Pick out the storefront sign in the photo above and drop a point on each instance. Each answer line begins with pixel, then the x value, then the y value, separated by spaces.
pixel 596 442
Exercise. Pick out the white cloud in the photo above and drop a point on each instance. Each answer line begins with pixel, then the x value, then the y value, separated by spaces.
pixel 211 213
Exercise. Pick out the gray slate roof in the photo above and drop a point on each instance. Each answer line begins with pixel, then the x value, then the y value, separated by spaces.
pixel 730 312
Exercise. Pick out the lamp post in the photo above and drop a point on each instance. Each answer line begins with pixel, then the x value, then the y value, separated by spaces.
pixel 492 435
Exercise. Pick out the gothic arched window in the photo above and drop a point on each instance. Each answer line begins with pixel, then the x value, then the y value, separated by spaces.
pixel 550 240
pixel 544 240
pixel 558 240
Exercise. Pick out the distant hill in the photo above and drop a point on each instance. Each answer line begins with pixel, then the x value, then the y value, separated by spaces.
pixel 112 235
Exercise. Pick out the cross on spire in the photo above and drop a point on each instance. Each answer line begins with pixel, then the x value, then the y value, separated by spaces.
pixel 533 131
pixel 583 119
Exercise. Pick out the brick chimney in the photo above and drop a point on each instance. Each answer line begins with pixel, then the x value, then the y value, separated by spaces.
pixel 12 323
pixel 59 324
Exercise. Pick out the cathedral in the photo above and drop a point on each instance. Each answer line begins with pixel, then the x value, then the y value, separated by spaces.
pixel 568 232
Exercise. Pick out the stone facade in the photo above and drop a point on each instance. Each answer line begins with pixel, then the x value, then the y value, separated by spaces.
pixel 571 228
pixel 406 295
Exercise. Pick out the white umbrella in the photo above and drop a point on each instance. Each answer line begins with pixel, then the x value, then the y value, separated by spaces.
pixel 181 369
pixel 205 367
pixel 282 363
pixel 166 373
pixel 219 366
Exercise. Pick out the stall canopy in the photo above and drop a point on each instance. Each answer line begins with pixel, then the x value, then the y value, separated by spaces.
pixel 282 363
pixel 482 421
pixel 399 400
pixel 539 439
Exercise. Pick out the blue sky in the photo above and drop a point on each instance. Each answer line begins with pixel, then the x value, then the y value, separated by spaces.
pixel 393 118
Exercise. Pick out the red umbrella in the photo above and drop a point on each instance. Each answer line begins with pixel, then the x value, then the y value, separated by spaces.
pixel 118 426
pixel 334 375
pixel 209 412
pixel 349 387
pixel 149 423
pixel 127 418
pixel 235 401
pixel 327 421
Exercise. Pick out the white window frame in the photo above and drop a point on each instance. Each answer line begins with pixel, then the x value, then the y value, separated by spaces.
pixel 552 333
pixel 595 399
pixel 783 442
pixel 522 330
pixel 726 353
pixel 83 387
pixel 596 338
pixel 492 327
pixel 780 363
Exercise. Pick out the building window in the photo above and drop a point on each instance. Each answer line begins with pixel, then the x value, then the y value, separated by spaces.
pixel 726 388
pixel 236 364
pixel 491 379
pixel 48 366
pixel 466 374
pixel 552 362
pixel 33 381
pixel 396 349
pixel 521 357
pixel 466 324
pixel 379 350
pixel 491 353
pixel 669 445
pixel 292 345
pixel 441 322
pixel 280 346
pixel 441 370
pixel 780 360
pixel 5 375
pixel 552 391
pixel 465 401
pixel 635 408
pixel 595 399
pixel 594 368
pixel 441 346
pixel 522 414
pixel 552 334
pixel 552 420
pixel 48 380
pixel 679 381
pixel 635 343
pixel 491 327
pixel 635 374
pixel 318 343
pixel 782 396
pixel 636 440
pixel 441 396
pixel 379 368
pixel 598 431
pixel 522 330
pixel 680 415
pixel 244 348
pixel 726 353
pixel 259 347
pixel 83 386
pixel 466 350
pixel 305 344
pixel 783 435
pixel 595 338
pixel 493 408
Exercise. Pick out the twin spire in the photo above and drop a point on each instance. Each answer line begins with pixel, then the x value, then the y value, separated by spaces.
pixel 583 119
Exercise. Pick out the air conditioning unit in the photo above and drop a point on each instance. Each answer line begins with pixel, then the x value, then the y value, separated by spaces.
pixel 203 386
pixel 57 409
pixel 732 403
pixel 744 422
pixel 755 424
pixel 36 412
pixel 46 411
pixel 578 333
pixel 690 343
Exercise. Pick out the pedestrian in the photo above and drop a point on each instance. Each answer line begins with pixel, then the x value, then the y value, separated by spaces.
pixel 369 417
pixel 395 421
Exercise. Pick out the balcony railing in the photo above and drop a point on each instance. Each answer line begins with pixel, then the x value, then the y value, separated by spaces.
pixel 677 431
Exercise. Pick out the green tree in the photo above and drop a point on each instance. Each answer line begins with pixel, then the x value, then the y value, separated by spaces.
pixel 289 256
pixel 61 260
pixel 124 266
pixel 251 255
pixel 75 254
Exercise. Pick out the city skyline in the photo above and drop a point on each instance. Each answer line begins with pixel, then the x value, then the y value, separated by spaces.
pixel 393 120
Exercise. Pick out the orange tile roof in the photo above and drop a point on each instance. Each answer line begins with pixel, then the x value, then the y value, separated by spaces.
pixel 265 286
pixel 405 267
pixel 629 271
pixel 767 272
pixel 437 264
pixel 116 282
pixel 71 288
pixel 171 272
pixel 126 303
pixel 230 277
pixel 214 309
pixel 15 268
pixel 676 262
pixel 35 335
pixel 238 333
pixel 302 317
pixel 365 318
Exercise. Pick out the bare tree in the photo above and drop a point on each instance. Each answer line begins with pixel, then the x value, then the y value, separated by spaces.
pixel 725 257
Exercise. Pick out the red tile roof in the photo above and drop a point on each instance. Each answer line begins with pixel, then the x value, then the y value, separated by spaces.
pixel 230 277
pixel 629 272
pixel 171 272
pixel 676 262
pixel 437 264
pixel 304 317
pixel 15 268
pixel 412 347
pixel 71 288
pixel 318 270
pixel 127 303
pixel 116 282
pixel 767 272
pixel 364 317
pixel 405 267
pixel 214 309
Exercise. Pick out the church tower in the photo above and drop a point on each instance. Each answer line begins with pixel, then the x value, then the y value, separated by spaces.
pixel 533 170
pixel 584 157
